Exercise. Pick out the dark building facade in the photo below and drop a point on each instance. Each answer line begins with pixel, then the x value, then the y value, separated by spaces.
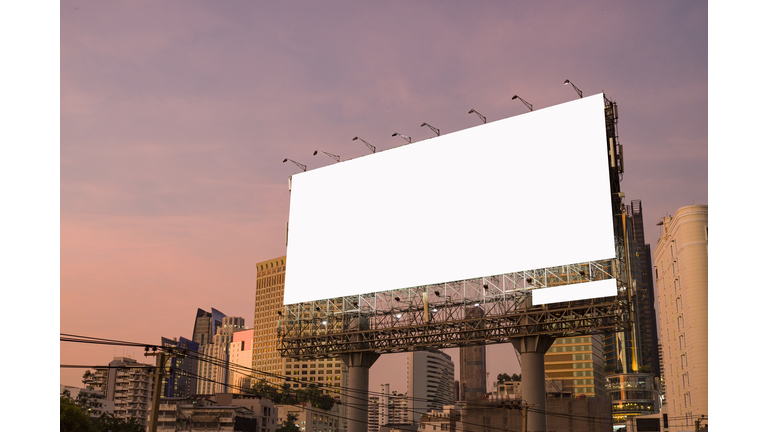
pixel 637 350
pixel 206 324
pixel 180 379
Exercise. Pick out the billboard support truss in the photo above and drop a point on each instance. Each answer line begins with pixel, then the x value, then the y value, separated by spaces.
pixel 446 315
pixel 401 320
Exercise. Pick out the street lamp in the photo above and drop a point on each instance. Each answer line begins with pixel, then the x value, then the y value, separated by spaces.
pixel 331 155
pixel 405 137
pixel 302 166
pixel 574 87
pixel 482 117
pixel 434 129
pixel 530 107
pixel 373 149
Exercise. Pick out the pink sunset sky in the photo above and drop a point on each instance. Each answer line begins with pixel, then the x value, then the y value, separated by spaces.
pixel 176 116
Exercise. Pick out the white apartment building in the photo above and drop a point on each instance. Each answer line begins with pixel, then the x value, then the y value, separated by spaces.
pixel 213 363
pixel 430 382
pixel 681 273
pixel 128 384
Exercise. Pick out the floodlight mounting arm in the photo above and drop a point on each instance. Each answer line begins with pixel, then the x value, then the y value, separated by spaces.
pixel 331 155
pixel 574 87
pixel 530 107
pixel 434 129
pixel 405 137
pixel 482 117
pixel 302 166
pixel 373 149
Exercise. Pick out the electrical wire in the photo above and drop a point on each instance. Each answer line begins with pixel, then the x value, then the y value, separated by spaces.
pixel 350 393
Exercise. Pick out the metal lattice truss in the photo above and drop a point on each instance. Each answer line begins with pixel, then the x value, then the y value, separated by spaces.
pixel 463 313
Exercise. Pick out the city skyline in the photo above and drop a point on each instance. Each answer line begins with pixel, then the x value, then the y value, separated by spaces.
pixel 172 137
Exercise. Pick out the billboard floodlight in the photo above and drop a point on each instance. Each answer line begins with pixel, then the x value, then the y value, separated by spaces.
pixel 574 87
pixel 302 166
pixel 482 117
pixel 530 107
pixel 405 137
pixel 373 149
pixel 434 129
pixel 331 155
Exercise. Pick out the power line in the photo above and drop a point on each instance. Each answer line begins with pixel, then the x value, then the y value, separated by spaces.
pixel 350 393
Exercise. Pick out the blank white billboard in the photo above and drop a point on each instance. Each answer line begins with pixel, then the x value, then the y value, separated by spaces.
pixel 523 193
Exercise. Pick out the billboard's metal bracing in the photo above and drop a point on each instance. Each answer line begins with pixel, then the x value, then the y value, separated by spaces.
pixel 436 316
pixel 400 320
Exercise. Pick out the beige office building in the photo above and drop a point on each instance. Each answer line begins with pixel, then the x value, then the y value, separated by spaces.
pixel 681 265
pixel 579 363
pixel 270 279
pixel 329 375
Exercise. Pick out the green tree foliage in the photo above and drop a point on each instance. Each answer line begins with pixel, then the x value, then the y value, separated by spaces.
pixel 285 395
pixel 109 423
pixel 289 425
pixel 503 377
pixel 72 417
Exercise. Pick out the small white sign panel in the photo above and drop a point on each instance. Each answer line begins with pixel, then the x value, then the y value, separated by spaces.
pixel 523 193
pixel 580 291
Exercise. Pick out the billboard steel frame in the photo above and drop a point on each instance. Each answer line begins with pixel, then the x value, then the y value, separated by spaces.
pixel 436 316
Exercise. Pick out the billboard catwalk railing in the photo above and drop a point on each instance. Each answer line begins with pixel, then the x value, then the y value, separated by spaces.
pixel 439 316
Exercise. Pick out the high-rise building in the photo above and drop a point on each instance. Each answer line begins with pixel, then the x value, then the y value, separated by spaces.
pixel 206 324
pixel 577 362
pixel 213 365
pixel 127 383
pixel 329 375
pixel 636 350
pixel 646 299
pixel 472 376
pixel 241 360
pixel 270 277
pixel 681 266
pixel 430 382
pixel 388 409
pixel 180 378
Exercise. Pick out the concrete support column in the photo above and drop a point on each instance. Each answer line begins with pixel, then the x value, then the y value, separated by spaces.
pixel 533 386
pixel 359 365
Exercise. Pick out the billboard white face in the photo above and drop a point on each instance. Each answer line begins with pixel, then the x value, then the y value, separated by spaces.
pixel 523 193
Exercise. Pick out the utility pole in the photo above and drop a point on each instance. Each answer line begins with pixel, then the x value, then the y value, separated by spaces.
pixel 159 373
pixel 525 418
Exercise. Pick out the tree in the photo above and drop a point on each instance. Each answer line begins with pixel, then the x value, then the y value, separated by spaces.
pixel 516 377
pixel 502 377
pixel 72 417
pixel 109 423
pixel 289 425
pixel 265 390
